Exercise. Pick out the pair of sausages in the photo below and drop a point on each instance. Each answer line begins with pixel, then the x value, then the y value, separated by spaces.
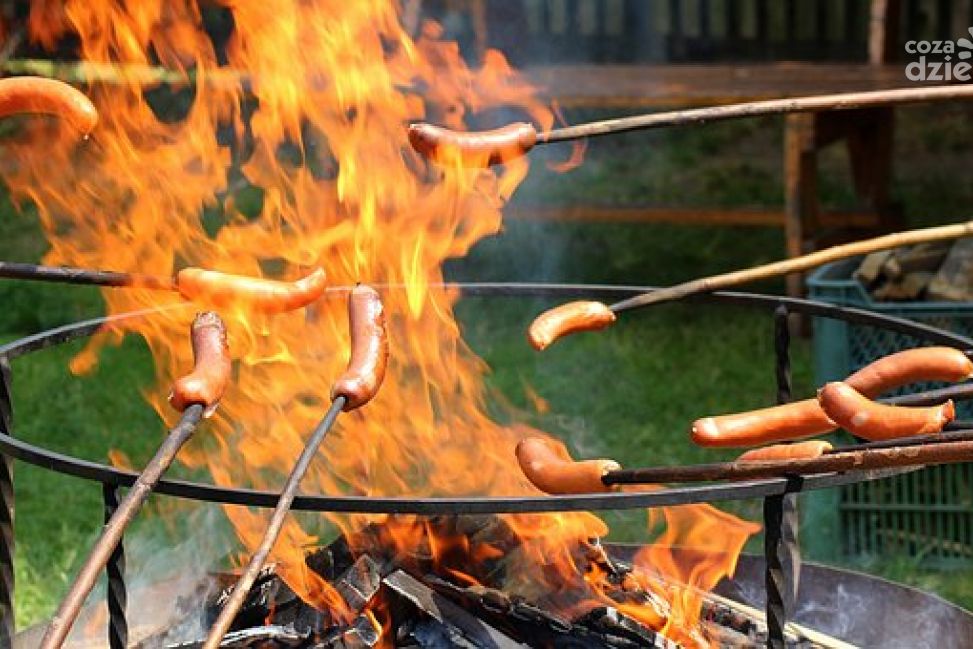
pixel 807 418
pixel 473 149
pixel 359 383
pixel 48 97
pixel 222 290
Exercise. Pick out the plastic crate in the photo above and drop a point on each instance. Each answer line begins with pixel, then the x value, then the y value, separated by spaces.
pixel 927 514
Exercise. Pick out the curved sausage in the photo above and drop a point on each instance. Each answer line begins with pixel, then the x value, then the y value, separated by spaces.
pixel 369 349
pixel 48 97
pixel 863 417
pixel 806 419
pixel 800 451
pixel 775 424
pixel 211 372
pixel 911 366
pixel 553 473
pixel 566 319
pixel 475 148
pixel 223 290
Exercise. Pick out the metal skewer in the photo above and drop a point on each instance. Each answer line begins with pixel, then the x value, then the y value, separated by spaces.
pixel 111 536
pixel 819 103
pixel 949 452
pixel 356 387
pixel 84 276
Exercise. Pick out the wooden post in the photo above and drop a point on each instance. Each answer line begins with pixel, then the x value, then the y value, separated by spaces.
pixel 883 31
pixel 801 188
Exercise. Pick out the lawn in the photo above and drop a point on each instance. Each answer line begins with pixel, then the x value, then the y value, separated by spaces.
pixel 628 393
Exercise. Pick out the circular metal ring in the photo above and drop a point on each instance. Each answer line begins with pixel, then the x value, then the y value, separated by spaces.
pixel 94 471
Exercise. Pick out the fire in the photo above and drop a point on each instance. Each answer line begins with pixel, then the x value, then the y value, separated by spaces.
pixel 286 150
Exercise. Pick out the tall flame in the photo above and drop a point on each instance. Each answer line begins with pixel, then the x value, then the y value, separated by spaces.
pixel 308 102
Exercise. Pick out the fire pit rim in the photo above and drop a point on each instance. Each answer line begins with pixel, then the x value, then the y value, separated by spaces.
pixel 742 490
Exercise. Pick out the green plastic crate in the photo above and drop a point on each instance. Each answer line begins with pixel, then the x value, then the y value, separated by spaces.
pixel 927 514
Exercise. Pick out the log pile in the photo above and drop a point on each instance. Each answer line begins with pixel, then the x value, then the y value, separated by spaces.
pixel 938 271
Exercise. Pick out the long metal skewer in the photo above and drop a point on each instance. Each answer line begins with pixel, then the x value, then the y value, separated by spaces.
pixel 192 394
pixel 70 607
pixel 249 576
pixel 819 103
pixel 795 264
pixel 848 460
pixel 353 389
pixel 71 275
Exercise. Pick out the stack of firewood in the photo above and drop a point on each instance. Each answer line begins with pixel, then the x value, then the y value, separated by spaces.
pixel 939 271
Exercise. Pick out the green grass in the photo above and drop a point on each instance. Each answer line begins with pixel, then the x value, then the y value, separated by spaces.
pixel 628 393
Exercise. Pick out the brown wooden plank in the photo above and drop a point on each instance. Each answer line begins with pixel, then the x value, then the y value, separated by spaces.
pixel 633 86
pixel 682 215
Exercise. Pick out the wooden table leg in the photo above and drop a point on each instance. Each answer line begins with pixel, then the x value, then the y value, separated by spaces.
pixel 800 187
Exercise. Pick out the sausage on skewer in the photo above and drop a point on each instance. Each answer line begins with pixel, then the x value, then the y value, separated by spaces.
pixel 263 295
pixel 806 418
pixel 568 318
pixel 874 421
pixel 799 451
pixel 553 473
pixel 369 349
pixel 48 97
pixel 473 149
pixel 207 382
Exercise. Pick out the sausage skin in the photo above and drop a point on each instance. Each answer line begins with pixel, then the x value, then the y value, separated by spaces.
pixel 800 451
pixel 223 290
pixel 873 421
pixel 551 473
pixel 211 358
pixel 911 366
pixel 806 419
pixel 369 349
pixel 475 148
pixel 48 97
pixel 566 319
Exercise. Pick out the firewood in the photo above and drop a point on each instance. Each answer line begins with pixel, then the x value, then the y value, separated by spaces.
pixel 954 281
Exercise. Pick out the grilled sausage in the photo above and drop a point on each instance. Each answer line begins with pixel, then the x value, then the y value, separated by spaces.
pixel 911 366
pixel 800 451
pixel 555 473
pixel 473 149
pixel 806 419
pixel 863 417
pixel 48 97
pixel 211 372
pixel 566 319
pixel 369 349
pixel 767 425
pixel 222 290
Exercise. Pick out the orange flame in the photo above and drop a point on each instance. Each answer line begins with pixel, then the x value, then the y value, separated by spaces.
pixel 286 150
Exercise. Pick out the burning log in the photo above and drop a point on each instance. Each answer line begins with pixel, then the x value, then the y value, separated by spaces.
pixel 767 271
pixel 208 335
pixel 196 284
pixel 496 147
pixel 356 387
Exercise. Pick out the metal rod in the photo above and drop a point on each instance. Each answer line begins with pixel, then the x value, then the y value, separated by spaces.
pixel 70 275
pixel 795 264
pixel 851 460
pixel 117 592
pixel 70 607
pixel 819 103
pixel 243 585
pixel 7 499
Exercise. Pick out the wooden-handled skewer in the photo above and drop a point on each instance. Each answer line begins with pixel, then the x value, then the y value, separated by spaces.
pixel 573 317
pixel 544 468
pixel 194 394
pixel 211 288
pixel 356 387
pixel 498 146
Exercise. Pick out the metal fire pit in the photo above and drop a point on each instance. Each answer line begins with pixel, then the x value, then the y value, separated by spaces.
pixel 772 577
